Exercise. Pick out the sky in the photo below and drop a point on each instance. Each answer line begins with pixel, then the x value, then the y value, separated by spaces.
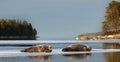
pixel 57 19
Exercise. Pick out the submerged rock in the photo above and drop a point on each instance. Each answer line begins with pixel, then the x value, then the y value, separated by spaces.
pixel 38 48
pixel 77 47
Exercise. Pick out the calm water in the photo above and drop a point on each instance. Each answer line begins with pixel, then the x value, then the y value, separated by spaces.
pixel 13 54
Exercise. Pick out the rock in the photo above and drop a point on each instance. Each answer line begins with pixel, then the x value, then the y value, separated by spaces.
pixel 84 38
pixel 77 47
pixel 95 38
pixel 38 48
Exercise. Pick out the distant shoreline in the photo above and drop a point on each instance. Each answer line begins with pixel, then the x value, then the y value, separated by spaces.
pixel 14 29
pixel 97 36
pixel 17 37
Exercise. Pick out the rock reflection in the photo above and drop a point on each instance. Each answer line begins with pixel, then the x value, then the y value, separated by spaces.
pixel 41 57
pixel 78 56
pixel 113 45
pixel 112 57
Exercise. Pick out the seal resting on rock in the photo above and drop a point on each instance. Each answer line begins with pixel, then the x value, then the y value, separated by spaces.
pixel 77 47
pixel 38 48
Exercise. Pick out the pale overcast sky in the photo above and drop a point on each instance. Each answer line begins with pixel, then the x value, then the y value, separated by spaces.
pixel 57 19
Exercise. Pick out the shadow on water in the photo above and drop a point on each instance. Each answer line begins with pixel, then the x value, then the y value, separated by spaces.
pixel 78 56
pixel 40 58
pixel 113 45
pixel 70 56
pixel 112 57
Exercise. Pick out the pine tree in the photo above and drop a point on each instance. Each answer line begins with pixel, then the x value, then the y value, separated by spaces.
pixel 13 28
pixel 112 18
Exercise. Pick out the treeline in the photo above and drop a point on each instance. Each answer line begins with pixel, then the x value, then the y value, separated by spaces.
pixel 111 25
pixel 16 29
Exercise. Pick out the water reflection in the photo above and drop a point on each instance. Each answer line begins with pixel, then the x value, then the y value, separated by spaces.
pixel 112 57
pixel 113 45
pixel 41 57
pixel 78 56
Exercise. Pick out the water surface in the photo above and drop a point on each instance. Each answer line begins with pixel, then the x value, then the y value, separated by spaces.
pixel 98 54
